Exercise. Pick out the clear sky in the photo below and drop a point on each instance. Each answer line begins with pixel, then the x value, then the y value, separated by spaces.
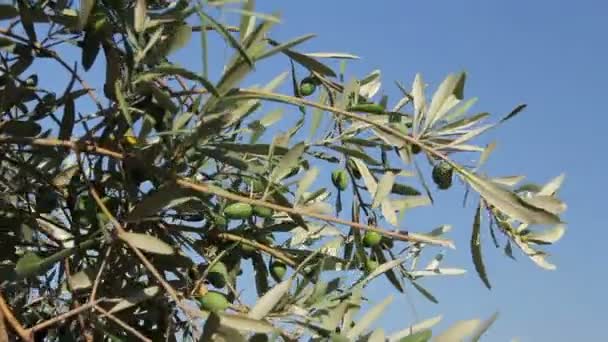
pixel 551 55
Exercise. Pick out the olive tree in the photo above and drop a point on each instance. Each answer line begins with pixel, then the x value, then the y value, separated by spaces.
pixel 141 197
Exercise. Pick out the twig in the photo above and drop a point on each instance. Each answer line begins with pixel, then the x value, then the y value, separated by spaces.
pixel 3 332
pixel 395 235
pixel 57 319
pixel 98 276
pixel 138 253
pixel 122 324
pixel 68 274
pixel 13 322
pixel 266 249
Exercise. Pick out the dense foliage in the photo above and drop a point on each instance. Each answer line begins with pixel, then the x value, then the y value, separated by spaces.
pixel 133 208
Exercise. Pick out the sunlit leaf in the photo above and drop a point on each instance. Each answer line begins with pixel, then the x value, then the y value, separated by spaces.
pixel 267 302
pixel 147 243
pixel 476 249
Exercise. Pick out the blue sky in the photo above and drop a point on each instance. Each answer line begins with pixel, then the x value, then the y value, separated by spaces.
pixel 550 55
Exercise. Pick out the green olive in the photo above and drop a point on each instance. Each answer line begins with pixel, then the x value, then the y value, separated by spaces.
pixel 371 238
pixel 277 270
pixel 370 265
pixel 340 179
pixel 238 211
pixel 214 301
pixel 262 211
pixel 307 86
pixel 442 175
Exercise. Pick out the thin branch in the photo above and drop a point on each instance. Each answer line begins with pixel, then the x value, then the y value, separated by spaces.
pixel 264 248
pixel 407 236
pixel 122 324
pixel 13 322
pixel 89 147
pixel 64 316
pixel 135 250
pixel 3 332
pixel 98 276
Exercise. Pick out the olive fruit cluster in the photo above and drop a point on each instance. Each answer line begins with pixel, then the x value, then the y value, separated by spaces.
pixel 243 211
pixel 442 175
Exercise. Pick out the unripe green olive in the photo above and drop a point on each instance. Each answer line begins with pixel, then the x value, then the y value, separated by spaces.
pixel 340 179
pixel 262 211
pixel 370 265
pixel 371 238
pixel 214 301
pixel 278 270
pixel 442 175
pixel 307 86
pixel 238 211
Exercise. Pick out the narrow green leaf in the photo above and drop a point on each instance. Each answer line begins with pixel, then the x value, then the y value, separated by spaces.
pixel 309 62
pixel 351 152
pixel 243 323
pixel 421 336
pixel 405 190
pixel 288 161
pixel 377 336
pixel 440 98
pixel 27 20
pixel 547 236
pixel 155 201
pixel 370 84
pixel 284 46
pixel 476 249
pixel 139 15
pixel 28 264
pixel 86 7
pixel 135 297
pixel 259 149
pixel 81 280
pixel 487 151
pixel 122 103
pixel 221 29
pixel 67 121
pixel 385 267
pixel 266 303
pixel 368 318
pixel 335 55
pixel 552 186
pixel 547 203
pixel 20 128
pixel 305 182
pixel 8 12
pixel 458 331
pixel 147 243
pixel 317 116
pixel 514 112
pixel 425 292
pixel 483 327
pixel 385 185
pixel 90 49
pixel 247 20
pixel 506 201
pixel 175 70
pixel 417 328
